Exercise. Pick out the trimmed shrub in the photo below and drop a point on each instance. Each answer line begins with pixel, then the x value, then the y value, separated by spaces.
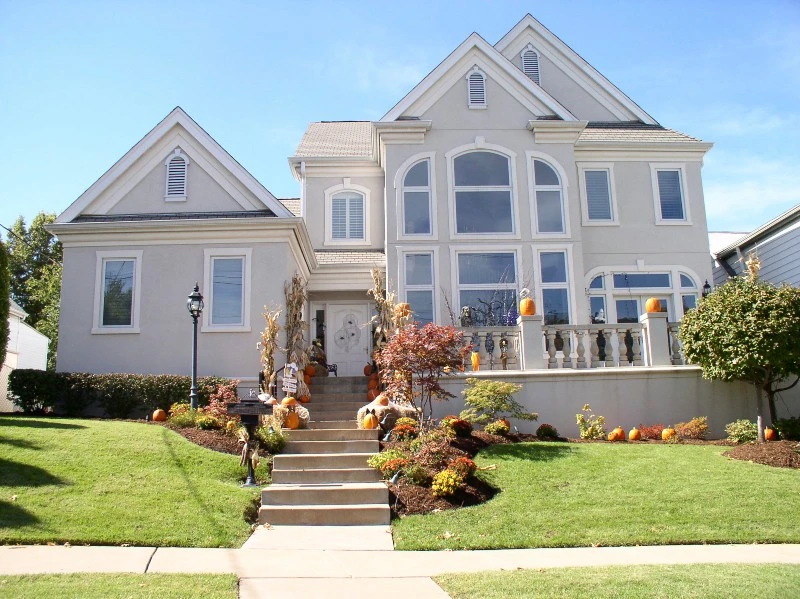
pixel 742 431
pixel 403 432
pixel 446 483
pixel 696 428
pixel 547 432
pixel 498 427
pixel 458 426
pixel 651 432
pixel 463 466
pixel 273 441
pixel 789 428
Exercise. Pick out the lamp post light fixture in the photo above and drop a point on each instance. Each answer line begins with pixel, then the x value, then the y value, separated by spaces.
pixel 194 303
pixel 706 289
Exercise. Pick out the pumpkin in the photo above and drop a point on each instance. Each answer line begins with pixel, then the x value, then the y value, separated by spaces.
pixel 618 434
pixel 527 307
pixel 304 399
pixel 292 421
pixel 381 400
pixel 370 421
pixel 373 383
pixel 368 370
pixel 635 435
pixel 476 361
pixel 159 415
pixel 289 400
pixel 310 370
pixel 667 434
pixel 402 310
pixel 372 394
pixel 770 434
pixel 652 305
pixel 307 379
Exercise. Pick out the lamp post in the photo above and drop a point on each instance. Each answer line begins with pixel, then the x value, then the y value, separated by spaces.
pixel 706 289
pixel 194 303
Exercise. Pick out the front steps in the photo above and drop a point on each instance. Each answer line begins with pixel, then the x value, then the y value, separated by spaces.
pixel 323 477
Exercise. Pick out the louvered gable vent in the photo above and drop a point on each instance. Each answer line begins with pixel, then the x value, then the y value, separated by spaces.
pixel 530 64
pixel 177 165
pixel 476 81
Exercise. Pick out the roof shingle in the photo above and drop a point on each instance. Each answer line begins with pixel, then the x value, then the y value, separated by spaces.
pixel 631 133
pixel 339 139
pixel 351 257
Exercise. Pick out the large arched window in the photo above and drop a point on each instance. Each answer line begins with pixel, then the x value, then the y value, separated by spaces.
pixel 177 165
pixel 548 198
pixel 417 199
pixel 482 187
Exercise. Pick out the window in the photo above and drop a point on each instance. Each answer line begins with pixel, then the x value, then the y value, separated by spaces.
pixel 530 63
pixel 227 273
pixel 347 216
pixel 419 285
pixel 630 280
pixel 117 291
pixel 555 287
pixel 548 198
pixel 417 199
pixel 476 88
pixel 487 284
pixel 482 186
pixel 669 194
pixel 598 195
pixel 177 165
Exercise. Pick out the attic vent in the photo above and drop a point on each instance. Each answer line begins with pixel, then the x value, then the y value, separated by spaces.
pixel 530 64
pixel 476 83
pixel 176 164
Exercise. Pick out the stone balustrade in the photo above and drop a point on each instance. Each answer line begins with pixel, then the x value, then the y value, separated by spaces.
pixel 593 345
pixel 498 347
pixel 675 347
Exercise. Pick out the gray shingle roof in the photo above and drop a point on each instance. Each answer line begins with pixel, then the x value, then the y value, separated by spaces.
pixel 351 257
pixel 631 133
pixel 109 218
pixel 339 139
pixel 292 205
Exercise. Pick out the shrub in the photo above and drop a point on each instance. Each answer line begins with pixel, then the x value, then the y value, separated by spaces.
pixel 789 428
pixel 463 466
pixel 35 391
pixel 590 425
pixel 272 441
pixel 486 400
pixel 378 460
pixel 182 415
pixel 416 474
pixel 498 427
pixel 393 466
pixel 432 451
pixel 458 426
pixel 404 432
pixel 206 422
pixel 446 483
pixel 651 432
pixel 407 420
pixel 547 432
pixel 696 428
pixel 742 431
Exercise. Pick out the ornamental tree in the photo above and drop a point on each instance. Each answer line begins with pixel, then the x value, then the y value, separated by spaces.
pixel 747 330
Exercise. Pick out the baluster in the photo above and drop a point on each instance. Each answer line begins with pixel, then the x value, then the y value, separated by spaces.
pixel 489 345
pixel 594 349
pixel 637 348
pixel 551 349
pixel 676 347
pixel 609 349
pixel 567 349
pixel 623 348
pixel 580 336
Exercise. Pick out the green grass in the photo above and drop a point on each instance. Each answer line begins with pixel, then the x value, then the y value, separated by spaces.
pixel 120 586
pixel 729 581
pixel 583 494
pixel 103 482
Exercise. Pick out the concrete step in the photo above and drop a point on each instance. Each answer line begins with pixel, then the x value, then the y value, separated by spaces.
pixel 335 406
pixel 332 447
pixel 325 494
pixel 349 423
pixel 329 475
pixel 333 414
pixel 333 434
pixel 301 461
pixel 333 398
pixel 331 515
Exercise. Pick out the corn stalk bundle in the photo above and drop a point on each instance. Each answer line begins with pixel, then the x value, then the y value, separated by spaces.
pixel 384 319
pixel 269 345
pixel 297 349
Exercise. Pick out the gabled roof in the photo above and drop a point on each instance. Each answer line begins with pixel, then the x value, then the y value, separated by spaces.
pixel 626 133
pixel 15 309
pixel 787 220
pixel 176 118
pixel 337 139
pixel 538 100
pixel 292 204
pixel 584 74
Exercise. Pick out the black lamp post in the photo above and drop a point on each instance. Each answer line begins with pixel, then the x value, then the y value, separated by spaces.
pixel 706 289
pixel 195 305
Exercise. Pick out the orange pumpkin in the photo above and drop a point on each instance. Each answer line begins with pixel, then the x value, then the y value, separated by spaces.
pixel 292 421
pixel 159 415
pixel 373 383
pixel 617 434
pixel 527 307
pixel 372 394
pixel 476 361
pixel 289 400
pixel 307 379
pixel 368 370
pixel 304 399
pixel 668 433
pixel 635 435
pixel 381 400
pixel 310 370
pixel 652 305
pixel 402 310
pixel 770 434
pixel 370 421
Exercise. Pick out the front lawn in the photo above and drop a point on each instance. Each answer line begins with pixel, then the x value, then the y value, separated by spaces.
pixel 104 482
pixel 702 581
pixel 583 494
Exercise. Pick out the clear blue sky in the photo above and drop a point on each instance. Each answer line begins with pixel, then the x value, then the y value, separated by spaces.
pixel 81 82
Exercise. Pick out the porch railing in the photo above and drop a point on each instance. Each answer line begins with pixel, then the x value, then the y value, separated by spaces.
pixel 592 346
pixel 498 347
pixel 675 346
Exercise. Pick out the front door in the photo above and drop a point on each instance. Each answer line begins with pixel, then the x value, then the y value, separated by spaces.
pixel 349 337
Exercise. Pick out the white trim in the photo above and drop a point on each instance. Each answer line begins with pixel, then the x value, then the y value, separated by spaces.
pixel 99 289
pixel 401 274
pixel 530 156
pixel 332 191
pixel 480 145
pixel 455 289
pixel 566 248
pixel 176 153
pixel 399 203
pixel 670 166
pixel 208 255
pixel 612 194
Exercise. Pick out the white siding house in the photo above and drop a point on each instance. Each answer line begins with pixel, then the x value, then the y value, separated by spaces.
pixel 27 348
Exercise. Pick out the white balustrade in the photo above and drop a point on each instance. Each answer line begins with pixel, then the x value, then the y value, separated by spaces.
pixel 498 347
pixel 675 347
pixel 609 345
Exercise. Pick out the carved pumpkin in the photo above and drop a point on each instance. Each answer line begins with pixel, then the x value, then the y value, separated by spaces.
pixel 373 383
pixel 652 305
pixel 770 434
pixel 292 421
pixel 289 400
pixel 372 394
pixel 476 361
pixel 402 310
pixel 668 433
pixel 368 370
pixel 527 307
pixel 635 435
pixel 304 399
pixel 159 415
pixel 310 370
pixel 370 421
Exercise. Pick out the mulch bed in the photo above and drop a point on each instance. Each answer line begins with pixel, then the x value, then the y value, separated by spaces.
pixel 781 454
pixel 214 439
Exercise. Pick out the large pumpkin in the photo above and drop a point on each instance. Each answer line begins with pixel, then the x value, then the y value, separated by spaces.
pixel 292 420
pixel 617 434
pixel 527 307
pixel 476 361
pixel 381 400
pixel 368 370
pixel 373 383
pixel 402 310
pixel 372 394
pixel 370 421
pixel 289 400
pixel 159 415
pixel 770 434
pixel 307 379
pixel 652 305
pixel 668 433
pixel 304 399
pixel 635 435
pixel 310 370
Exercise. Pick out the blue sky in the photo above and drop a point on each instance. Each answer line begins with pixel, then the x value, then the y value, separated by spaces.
pixel 82 82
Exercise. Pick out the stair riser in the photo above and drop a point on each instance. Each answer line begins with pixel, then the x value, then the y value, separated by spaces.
pixel 333 496
pixel 311 477
pixel 317 462
pixel 334 415
pixel 336 406
pixel 316 425
pixel 333 435
pixel 332 447
pixel 327 516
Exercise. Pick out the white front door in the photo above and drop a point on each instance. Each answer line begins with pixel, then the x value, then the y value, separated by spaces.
pixel 349 337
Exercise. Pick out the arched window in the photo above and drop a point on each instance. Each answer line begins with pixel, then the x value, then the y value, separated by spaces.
pixel 476 88
pixel 548 197
pixel 347 216
pixel 482 187
pixel 530 63
pixel 417 199
pixel 177 164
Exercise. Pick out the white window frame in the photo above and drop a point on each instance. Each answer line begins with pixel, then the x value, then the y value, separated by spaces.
pixel 538 76
pixel 481 249
pixel 476 70
pixel 176 197
pixel 404 287
pixel 566 248
pixel 530 156
pixel 612 195
pixel 655 167
pixel 99 291
pixel 480 146
pixel 400 201
pixel 335 190
pixel 208 255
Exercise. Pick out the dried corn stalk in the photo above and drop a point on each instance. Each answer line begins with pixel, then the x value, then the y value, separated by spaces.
pixel 268 346
pixel 297 349
pixel 384 320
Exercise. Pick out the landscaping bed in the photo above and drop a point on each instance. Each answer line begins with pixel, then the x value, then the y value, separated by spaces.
pixel 780 454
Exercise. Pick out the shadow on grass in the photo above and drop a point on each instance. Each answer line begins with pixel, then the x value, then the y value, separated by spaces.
pixel 21 443
pixel 14 474
pixel 529 452
pixel 36 422
pixel 14 516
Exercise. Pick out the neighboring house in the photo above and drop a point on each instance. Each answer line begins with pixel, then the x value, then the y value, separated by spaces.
pixel 777 246
pixel 27 348
pixel 510 165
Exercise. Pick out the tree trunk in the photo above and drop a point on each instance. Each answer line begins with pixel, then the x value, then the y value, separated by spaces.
pixel 759 411
pixel 771 403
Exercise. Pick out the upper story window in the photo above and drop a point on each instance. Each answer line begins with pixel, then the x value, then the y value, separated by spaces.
pixel 530 63
pixel 669 191
pixel 177 166
pixel 548 198
pixel 599 206
pixel 347 216
pixel 417 199
pixel 476 88
pixel 117 292
pixel 482 186
pixel 227 272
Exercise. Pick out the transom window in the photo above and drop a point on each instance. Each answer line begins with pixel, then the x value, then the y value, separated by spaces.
pixel 555 287
pixel 177 165
pixel 347 216
pixel 548 198
pixel 419 285
pixel 417 199
pixel 625 280
pixel 487 286
pixel 482 183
